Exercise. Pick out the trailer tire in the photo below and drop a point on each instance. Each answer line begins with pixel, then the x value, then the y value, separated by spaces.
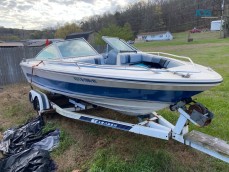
pixel 36 104
pixel 30 98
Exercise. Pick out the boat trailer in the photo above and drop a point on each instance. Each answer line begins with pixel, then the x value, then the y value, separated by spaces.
pixel 152 125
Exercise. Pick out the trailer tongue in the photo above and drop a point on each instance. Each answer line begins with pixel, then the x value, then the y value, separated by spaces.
pixel 152 125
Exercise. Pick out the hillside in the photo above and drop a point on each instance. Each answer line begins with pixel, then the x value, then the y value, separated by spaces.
pixel 11 34
pixel 160 15
pixel 8 34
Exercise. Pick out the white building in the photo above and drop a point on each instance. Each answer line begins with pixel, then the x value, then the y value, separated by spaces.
pixel 155 36
pixel 215 25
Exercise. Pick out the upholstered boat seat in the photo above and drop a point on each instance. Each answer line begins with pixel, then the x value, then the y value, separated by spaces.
pixel 111 57
pixel 133 58
pixel 99 59
pixel 150 58
pixel 130 59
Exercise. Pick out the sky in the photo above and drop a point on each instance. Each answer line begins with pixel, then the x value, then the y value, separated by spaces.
pixel 39 14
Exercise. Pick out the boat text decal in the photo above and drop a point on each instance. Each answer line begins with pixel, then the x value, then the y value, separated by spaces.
pixel 85 80
pixel 106 123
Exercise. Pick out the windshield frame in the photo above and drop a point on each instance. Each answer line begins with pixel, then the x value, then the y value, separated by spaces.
pixel 62 57
pixel 106 39
pixel 44 49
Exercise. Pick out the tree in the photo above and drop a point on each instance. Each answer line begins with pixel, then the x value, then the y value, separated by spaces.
pixel 68 28
pixel 36 35
pixel 48 33
pixel 124 32
pixel 97 22
pixel 157 15
pixel 10 38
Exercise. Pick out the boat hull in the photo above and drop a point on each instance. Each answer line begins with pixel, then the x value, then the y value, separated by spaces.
pixel 132 98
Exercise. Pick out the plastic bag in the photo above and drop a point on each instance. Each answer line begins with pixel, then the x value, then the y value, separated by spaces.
pixel 29 160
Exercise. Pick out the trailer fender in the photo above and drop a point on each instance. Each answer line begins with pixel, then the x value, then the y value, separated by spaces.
pixel 40 100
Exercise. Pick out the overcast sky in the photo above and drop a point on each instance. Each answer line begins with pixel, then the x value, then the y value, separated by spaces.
pixel 38 14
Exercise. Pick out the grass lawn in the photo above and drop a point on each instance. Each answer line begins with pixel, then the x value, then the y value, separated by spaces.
pixel 93 148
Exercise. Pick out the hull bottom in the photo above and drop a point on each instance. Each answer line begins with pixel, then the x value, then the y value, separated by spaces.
pixel 126 106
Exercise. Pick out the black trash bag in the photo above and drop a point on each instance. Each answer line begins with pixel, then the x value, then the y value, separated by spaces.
pixel 20 138
pixel 48 141
pixel 29 160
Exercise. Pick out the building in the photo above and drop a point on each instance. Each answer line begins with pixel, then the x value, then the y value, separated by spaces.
pixel 155 36
pixel 39 42
pixel 11 44
pixel 216 25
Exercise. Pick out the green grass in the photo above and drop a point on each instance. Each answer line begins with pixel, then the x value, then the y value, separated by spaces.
pixel 65 139
pixel 147 159
pixel 181 39
pixel 14 106
pixel 159 160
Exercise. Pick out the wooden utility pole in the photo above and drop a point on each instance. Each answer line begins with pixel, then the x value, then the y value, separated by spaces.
pixel 221 27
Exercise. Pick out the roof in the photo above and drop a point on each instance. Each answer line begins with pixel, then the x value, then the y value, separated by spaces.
pixel 217 21
pixel 11 44
pixel 153 33
pixel 40 42
pixel 36 44
pixel 43 40
pixel 84 35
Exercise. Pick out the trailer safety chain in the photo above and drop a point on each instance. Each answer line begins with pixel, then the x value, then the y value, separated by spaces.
pixel 31 80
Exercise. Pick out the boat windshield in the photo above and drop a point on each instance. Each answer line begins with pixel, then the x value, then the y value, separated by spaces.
pixel 118 44
pixel 75 48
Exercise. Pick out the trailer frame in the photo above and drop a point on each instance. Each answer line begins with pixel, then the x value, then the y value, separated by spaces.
pixel 154 126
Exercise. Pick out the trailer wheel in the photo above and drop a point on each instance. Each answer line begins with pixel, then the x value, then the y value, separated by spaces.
pixel 36 104
pixel 30 98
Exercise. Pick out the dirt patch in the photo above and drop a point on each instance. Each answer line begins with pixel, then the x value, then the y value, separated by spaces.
pixel 87 141
pixel 1 156
pixel 14 105
pixel 1 136
pixel 67 160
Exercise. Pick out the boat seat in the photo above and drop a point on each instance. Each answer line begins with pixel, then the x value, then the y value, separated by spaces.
pixel 156 59
pixel 150 58
pixel 124 59
pixel 135 58
pixel 99 60
pixel 111 57
pixel 138 58
pixel 93 59
pixel 86 60
pixel 164 62
pixel 130 58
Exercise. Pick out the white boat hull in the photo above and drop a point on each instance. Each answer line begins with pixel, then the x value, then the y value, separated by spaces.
pixel 125 95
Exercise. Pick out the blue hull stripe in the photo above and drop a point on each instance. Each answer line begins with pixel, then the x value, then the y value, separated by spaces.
pixel 112 92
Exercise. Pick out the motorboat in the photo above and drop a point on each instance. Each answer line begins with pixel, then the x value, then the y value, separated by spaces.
pixel 126 80
pixel 123 78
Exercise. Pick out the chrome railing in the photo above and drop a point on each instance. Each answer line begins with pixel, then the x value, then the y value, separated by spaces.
pixel 172 55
